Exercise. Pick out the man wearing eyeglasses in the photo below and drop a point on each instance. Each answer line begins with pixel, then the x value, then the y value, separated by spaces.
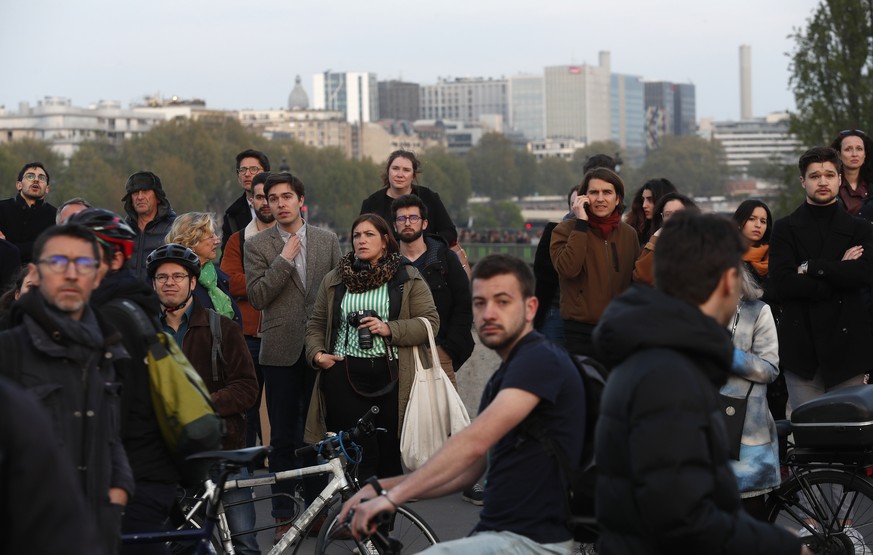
pixel 249 163
pixel 60 351
pixel 446 277
pixel 27 214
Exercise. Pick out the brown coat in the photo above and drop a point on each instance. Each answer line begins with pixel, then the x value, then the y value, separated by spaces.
pixel 644 268
pixel 237 387
pixel 407 331
pixel 592 271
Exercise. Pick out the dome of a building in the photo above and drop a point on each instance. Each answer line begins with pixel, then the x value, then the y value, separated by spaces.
pixel 298 99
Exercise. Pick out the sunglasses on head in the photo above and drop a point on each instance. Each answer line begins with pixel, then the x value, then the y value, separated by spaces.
pixel 852 131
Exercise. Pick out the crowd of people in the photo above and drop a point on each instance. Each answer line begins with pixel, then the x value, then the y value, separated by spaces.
pixel 680 306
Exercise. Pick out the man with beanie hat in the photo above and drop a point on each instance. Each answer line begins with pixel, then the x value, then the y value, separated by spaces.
pixel 149 214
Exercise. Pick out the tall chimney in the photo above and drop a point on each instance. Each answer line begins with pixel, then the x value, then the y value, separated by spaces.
pixel 745 82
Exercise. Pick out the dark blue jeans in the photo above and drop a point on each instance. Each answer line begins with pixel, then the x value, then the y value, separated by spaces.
pixel 253 415
pixel 288 390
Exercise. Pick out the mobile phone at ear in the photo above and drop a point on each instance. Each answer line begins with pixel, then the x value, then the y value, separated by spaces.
pixel 588 208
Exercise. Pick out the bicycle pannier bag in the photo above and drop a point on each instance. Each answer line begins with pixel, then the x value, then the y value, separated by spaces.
pixel 838 419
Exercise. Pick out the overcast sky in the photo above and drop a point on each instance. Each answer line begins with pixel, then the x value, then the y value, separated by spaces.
pixel 246 54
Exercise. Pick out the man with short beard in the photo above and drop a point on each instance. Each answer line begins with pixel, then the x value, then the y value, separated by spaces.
pixel 525 509
pixel 820 260
pixel 27 214
pixel 232 265
pixel 442 270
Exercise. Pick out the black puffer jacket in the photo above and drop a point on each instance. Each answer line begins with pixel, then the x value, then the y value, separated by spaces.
pixel 664 484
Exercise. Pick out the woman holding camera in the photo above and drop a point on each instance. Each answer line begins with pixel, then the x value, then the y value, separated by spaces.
pixel 360 336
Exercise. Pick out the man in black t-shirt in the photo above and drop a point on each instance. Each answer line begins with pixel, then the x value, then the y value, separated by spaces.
pixel 525 508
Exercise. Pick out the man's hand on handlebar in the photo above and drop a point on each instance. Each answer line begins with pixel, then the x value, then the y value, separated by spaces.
pixel 366 515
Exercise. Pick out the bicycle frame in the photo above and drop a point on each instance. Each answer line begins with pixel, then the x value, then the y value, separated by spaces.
pixel 335 467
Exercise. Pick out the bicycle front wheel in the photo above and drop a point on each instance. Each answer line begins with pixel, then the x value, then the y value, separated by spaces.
pixel 413 532
pixel 831 509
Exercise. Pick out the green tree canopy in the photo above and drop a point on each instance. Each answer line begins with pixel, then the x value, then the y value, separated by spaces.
pixel 498 169
pixel 831 70
pixel 696 166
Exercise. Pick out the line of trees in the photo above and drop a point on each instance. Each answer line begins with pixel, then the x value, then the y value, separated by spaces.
pixel 195 161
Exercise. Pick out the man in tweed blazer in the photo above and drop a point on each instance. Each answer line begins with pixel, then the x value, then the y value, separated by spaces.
pixel 284 267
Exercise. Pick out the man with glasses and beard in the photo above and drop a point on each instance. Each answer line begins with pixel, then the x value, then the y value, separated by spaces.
pixel 445 276
pixel 27 214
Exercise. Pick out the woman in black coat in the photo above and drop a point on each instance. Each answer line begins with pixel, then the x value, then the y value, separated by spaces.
pixel 398 179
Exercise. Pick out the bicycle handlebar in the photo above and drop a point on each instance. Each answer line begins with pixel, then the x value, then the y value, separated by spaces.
pixel 364 428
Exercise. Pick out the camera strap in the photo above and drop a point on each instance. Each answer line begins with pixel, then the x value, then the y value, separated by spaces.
pixel 362 363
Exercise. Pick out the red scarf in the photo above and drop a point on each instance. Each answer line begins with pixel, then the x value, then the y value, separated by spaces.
pixel 602 227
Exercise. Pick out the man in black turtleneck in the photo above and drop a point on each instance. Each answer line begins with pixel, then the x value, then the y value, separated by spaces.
pixel 820 259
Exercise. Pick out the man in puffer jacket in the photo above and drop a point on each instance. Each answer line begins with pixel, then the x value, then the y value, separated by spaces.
pixel 664 483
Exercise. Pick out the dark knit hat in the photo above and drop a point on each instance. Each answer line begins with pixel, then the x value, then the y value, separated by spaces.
pixel 141 181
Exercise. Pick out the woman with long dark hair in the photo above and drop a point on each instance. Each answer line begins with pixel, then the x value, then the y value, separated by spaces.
pixel 857 172
pixel 360 337
pixel 644 267
pixel 643 206
pixel 755 223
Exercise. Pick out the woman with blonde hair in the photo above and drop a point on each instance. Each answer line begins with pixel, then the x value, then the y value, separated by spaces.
pixel 200 232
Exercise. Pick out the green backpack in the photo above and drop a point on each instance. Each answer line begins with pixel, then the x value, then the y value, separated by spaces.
pixel 183 407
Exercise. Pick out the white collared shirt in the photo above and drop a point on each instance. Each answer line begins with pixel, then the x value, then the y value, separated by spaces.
pixel 299 261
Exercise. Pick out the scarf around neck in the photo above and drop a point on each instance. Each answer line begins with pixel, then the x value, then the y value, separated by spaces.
pixel 220 301
pixel 759 258
pixel 358 280
pixel 603 226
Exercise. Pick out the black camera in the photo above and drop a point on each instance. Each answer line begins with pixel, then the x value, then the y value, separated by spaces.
pixel 365 336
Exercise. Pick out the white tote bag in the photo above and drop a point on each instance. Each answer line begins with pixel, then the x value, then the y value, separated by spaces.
pixel 434 412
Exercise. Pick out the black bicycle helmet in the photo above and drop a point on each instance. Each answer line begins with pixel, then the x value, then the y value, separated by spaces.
pixel 173 252
pixel 109 228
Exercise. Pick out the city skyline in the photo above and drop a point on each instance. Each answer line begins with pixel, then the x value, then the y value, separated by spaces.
pixel 91 50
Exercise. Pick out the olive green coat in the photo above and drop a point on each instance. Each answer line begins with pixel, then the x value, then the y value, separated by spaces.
pixel 406 332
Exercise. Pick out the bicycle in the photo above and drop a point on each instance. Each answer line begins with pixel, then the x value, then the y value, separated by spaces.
pixel 827 496
pixel 337 451
pixel 228 462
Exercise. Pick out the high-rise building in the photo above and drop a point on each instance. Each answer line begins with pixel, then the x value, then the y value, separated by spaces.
pixel 399 100
pixel 355 94
pixel 745 81
pixel 629 115
pixel 670 110
pixel 464 99
pixel 527 109
pixel 757 139
pixel 578 101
